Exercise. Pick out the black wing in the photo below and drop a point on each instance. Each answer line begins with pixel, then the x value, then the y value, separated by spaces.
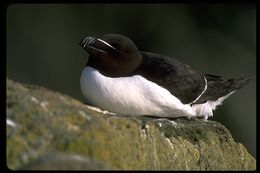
pixel 218 87
pixel 178 78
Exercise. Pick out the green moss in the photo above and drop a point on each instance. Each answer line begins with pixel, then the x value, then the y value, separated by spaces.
pixel 50 122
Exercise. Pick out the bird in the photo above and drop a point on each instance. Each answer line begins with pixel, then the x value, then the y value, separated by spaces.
pixel 119 78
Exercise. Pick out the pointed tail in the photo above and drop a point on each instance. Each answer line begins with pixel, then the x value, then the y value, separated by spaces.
pixel 236 84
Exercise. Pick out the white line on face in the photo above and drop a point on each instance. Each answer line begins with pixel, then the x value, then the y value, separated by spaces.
pixel 107 44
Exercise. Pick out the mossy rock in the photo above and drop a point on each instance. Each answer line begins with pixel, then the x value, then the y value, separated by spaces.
pixel 40 122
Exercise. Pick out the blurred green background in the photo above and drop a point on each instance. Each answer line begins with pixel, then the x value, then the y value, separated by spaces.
pixel 43 46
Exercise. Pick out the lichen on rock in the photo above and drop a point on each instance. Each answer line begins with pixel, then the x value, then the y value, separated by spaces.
pixel 40 121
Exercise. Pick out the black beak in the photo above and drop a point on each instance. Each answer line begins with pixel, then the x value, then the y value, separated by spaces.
pixel 92 43
pixel 87 41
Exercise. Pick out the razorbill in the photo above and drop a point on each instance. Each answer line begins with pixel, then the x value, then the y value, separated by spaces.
pixel 120 78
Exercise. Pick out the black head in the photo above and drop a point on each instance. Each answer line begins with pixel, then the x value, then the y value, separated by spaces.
pixel 113 55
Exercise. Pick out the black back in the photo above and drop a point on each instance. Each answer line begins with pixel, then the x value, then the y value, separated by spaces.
pixel 178 78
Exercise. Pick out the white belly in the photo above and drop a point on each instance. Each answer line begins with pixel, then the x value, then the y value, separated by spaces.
pixel 133 95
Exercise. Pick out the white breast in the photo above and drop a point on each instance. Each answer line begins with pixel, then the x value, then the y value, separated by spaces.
pixel 133 95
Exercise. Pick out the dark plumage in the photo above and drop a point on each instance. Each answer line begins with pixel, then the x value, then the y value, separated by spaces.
pixel 115 56
pixel 184 82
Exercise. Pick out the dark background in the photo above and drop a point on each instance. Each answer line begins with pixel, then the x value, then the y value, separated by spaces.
pixel 220 39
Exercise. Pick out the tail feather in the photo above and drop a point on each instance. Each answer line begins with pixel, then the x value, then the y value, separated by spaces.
pixel 236 84
pixel 218 87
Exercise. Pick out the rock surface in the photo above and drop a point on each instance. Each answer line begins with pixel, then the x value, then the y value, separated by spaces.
pixel 42 123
